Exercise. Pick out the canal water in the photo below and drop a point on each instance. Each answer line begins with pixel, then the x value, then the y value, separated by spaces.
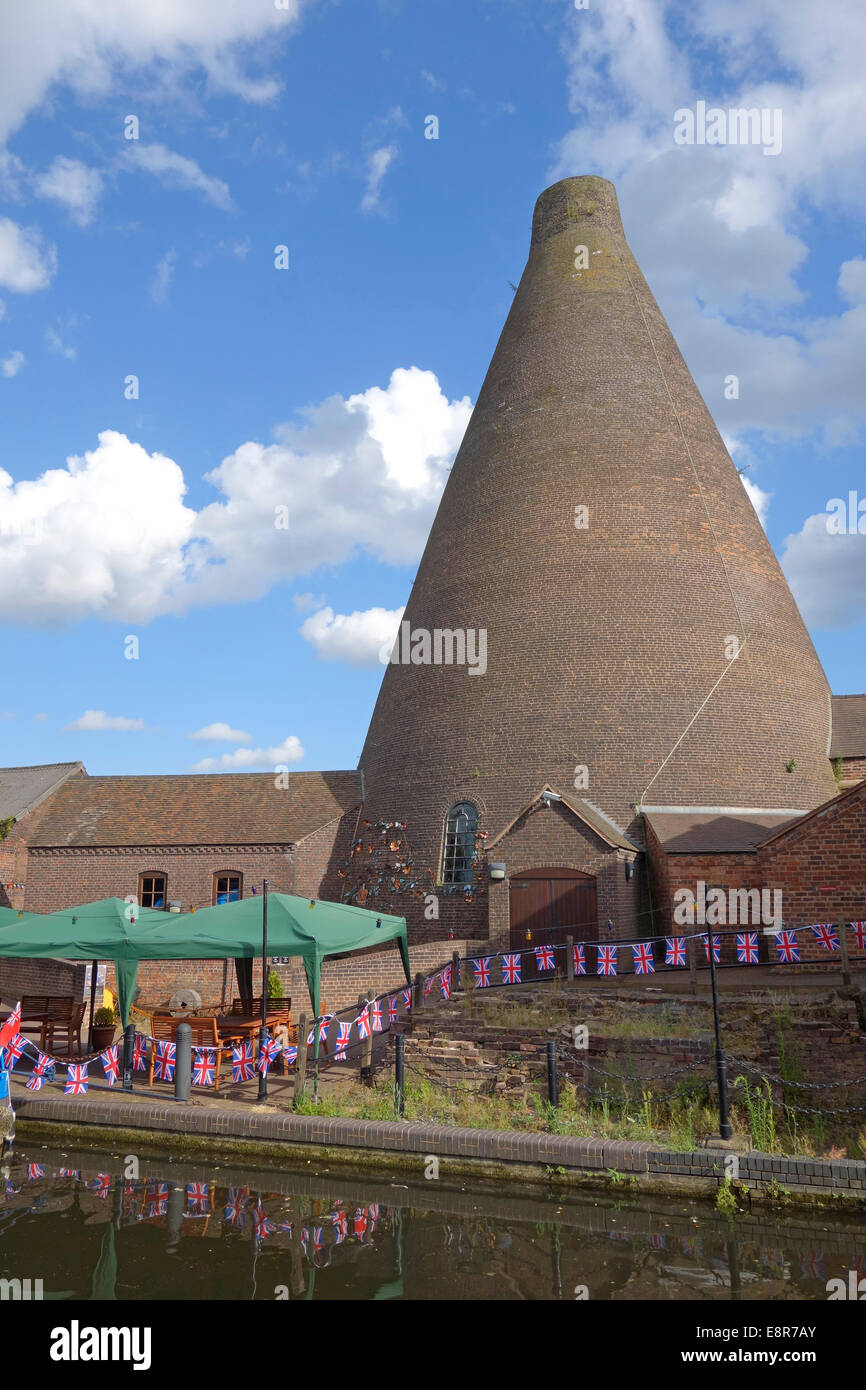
pixel 102 1225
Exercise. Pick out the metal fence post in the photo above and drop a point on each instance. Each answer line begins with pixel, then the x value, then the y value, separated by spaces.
pixel 301 1064
pixel 182 1061
pixel 399 1086
pixel 552 1083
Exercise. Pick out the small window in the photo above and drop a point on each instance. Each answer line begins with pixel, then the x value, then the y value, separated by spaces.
pixel 459 853
pixel 151 890
pixel 227 888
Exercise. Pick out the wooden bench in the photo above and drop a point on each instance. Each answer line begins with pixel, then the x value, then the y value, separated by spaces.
pixel 51 1013
pixel 252 1008
pixel 163 1028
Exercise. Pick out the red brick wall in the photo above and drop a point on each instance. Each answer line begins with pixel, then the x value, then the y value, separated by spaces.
pixel 853 769
pixel 19 977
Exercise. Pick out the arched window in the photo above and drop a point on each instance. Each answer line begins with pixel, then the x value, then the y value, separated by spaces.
pixel 460 828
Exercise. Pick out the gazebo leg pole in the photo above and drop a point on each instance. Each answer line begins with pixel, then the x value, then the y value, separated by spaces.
pixel 93 968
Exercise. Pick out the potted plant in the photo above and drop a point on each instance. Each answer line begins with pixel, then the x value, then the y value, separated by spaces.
pixel 105 1022
pixel 275 985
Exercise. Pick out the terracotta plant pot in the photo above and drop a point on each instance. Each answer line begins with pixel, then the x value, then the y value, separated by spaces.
pixel 103 1036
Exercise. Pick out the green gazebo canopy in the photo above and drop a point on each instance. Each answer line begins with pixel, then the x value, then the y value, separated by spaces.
pixel 299 927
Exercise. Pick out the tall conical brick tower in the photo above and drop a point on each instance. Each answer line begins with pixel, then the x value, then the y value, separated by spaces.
pixel 595 527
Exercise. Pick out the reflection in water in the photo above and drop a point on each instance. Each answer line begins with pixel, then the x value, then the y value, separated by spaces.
pixel 209 1231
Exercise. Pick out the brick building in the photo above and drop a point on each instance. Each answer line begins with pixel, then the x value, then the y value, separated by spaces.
pixel 603 689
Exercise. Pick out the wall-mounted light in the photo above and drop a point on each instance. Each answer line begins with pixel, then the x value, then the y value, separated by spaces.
pixel 497 870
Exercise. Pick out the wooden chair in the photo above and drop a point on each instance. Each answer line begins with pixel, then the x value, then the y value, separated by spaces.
pixel 68 1023
pixel 163 1028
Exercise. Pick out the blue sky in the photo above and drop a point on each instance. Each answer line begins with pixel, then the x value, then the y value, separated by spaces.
pixel 340 388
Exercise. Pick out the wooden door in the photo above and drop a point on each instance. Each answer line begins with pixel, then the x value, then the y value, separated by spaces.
pixel 552 904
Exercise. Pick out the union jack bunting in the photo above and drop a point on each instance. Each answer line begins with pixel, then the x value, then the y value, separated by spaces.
pixel 324 1025
pixel 290 1055
pixel 376 1009
pixel 10 1190
pixel 392 1008
pixel 579 960
pixel 643 959
pixel 658 1242
pixel 110 1064
pixel 311 1037
pixel 482 972
pixel 69 1173
pixel 341 1227
pixel 606 960
pixel 198 1198
pixel 373 1211
pixel 511 969
pixel 445 982
pixel 428 984
pixel 139 1053
pixel 342 1042
pixel 359 1223
pixel 45 1066
pixel 243 1061
pixel 747 947
pixel 717 948
pixel 164 1062
pixel 101 1185
pixel 36 1082
pixel 203 1067
pixel 156 1197
pixel 262 1224
pixel 544 957
pixel 826 934
pixel 859 930
pixel 236 1206
pixel 363 1022
pixel 130 1192
pixel 34 1171
pixel 675 950
pixel 14 1050
pixel 407 998
pixel 786 946
pixel 76 1079
pixel 268 1054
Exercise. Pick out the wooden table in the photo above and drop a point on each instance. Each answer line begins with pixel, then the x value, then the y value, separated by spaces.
pixel 248 1025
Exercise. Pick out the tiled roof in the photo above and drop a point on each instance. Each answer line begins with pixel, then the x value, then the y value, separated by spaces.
pixel 206 809
pixel 849 726
pixel 22 788
pixel 707 832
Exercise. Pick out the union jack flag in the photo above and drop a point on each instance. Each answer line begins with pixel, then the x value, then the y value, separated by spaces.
pixel 203 1067
pixel 10 1190
pixel 717 948
pixel 34 1171
pixel 236 1206
pixel 311 1037
pixel 428 984
pixel 70 1173
pixel 164 1062
pixel 813 1265
pixel 606 960
pixel 407 998
pixel 290 1055
pixel 544 957
pixel 359 1224
pixel 511 969
pixel 268 1053
pixel 859 930
pixel 675 950
pixel 579 960
pixel 76 1079
pixel 102 1185
pixel 341 1227
pixel 373 1211
pixel 14 1050
pixel 658 1242
pixel 747 947
pixel 826 934
pixel 198 1198
pixel 324 1025
pixel 482 972
pixel 130 1191
pixel 262 1224
pixel 392 1008
pixel 156 1197
pixel 445 982
pixel 45 1066
pixel 643 959
pixel 377 1016
pixel 139 1053
pixel 36 1082
pixel 243 1061
pixel 342 1042
pixel 786 945
pixel 110 1064
pixel 363 1022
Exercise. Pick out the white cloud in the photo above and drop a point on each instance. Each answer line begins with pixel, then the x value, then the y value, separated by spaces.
pixel 74 185
pixel 305 603
pixel 27 261
pixel 55 343
pixel 247 759
pixel 163 276
pixel 90 45
pixel 222 733
pixel 110 536
pixel 11 365
pixel 178 171
pixel 97 721
pixel 355 638
pixel 377 167
pixel 759 498
pixel 827 574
